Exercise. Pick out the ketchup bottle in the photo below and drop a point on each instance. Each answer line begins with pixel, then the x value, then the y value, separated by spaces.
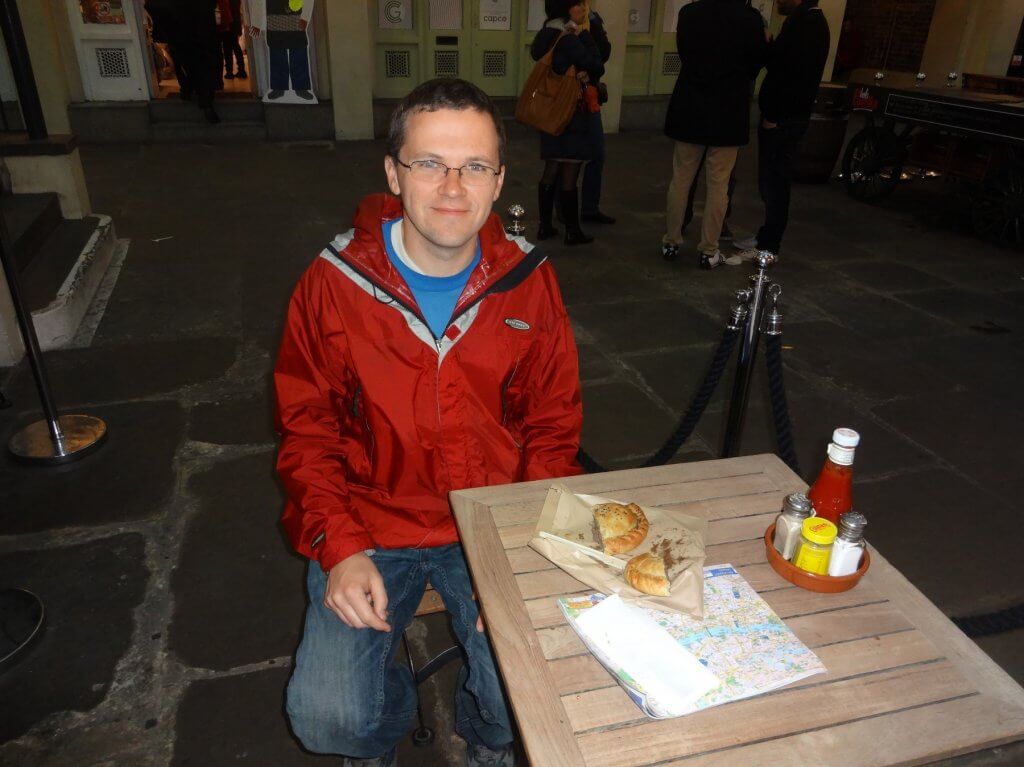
pixel 832 492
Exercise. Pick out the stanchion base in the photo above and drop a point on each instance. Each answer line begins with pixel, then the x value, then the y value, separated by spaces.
pixel 82 435
pixel 21 623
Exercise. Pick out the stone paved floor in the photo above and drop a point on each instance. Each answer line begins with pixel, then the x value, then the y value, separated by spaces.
pixel 175 604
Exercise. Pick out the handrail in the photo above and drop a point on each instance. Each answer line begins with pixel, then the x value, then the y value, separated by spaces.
pixel 21 69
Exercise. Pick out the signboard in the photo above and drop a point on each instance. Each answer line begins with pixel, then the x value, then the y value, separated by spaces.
pixel 496 14
pixel 394 14
pixel 640 16
pixel 102 11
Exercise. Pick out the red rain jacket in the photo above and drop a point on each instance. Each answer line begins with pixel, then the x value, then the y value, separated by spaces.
pixel 379 420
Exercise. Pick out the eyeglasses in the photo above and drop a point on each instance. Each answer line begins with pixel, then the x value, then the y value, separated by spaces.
pixel 471 174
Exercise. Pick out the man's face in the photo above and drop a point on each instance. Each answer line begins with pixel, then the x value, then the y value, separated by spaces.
pixel 786 7
pixel 443 217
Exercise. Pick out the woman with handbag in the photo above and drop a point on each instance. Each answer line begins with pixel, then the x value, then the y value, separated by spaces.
pixel 564 154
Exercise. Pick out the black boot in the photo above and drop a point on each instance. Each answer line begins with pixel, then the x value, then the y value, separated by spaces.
pixel 571 211
pixel 545 207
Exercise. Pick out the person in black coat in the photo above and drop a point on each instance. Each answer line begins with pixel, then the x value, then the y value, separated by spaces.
pixel 796 61
pixel 721 46
pixel 565 154
pixel 590 189
pixel 190 29
pixel 229 41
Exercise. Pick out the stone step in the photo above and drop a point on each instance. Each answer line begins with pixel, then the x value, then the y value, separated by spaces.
pixel 30 219
pixel 230 111
pixel 77 257
pixel 224 132
pixel 43 278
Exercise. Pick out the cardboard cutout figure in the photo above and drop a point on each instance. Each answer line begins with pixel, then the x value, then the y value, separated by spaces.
pixel 284 26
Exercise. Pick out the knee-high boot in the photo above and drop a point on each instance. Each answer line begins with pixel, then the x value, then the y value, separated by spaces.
pixel 574 235
pixel 545 209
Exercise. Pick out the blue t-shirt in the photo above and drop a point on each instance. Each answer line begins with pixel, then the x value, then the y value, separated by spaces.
pixel 436 296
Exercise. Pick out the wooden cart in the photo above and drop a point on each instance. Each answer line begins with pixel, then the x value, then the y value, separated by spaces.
pixel 974 137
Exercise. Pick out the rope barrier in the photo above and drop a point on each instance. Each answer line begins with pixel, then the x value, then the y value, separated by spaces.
pixel 780 407
pixel 992 623
pixel 686 425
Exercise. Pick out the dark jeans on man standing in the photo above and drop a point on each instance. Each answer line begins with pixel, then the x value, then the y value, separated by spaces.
pixel 232 52
pixel 776 154
pixel 288 63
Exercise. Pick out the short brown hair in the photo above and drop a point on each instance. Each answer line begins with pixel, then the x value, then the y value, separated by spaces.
pixel 443 93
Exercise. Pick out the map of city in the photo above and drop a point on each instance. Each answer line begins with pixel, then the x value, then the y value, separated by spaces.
pixel 741 640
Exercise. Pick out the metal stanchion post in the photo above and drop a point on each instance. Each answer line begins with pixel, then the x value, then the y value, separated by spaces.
pixel 57 438
pixel 755 300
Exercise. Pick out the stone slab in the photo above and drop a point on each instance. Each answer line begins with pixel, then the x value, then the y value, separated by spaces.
pixel 979 437
pixel 89 592
pixel 235 421
pixel 890 277
pixel 126 371
pixel 956 543
pixel 619 420
pixel 237 578
pixel 653 324
pixel 862 365
pixel 128 478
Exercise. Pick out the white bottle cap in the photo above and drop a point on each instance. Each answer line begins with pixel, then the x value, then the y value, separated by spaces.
pixel 846 437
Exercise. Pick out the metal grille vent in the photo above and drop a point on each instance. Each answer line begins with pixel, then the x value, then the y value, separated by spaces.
pixel 446 63
pixel 113 62
pixel 397 64
pixel 670 64
pixel 495 63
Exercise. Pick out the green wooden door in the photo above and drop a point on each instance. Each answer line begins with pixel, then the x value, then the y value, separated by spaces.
pixel 477 40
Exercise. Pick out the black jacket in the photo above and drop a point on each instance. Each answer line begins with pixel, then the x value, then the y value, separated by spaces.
pixel 796 61
pixel 721 48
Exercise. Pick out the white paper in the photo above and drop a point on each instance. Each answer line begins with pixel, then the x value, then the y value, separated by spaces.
pixel 672 677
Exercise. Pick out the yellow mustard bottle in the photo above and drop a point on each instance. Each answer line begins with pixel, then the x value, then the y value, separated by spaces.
pixel 816 538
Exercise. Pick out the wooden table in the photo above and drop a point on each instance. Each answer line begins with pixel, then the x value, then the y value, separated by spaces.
pixel 904 685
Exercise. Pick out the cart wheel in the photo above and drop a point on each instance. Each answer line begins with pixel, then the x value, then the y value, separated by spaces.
pixel 869 171
pixel 997 211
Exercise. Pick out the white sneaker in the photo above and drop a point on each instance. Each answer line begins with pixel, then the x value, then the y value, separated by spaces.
pixel 711 260
pixel 747 255
pixel 745 243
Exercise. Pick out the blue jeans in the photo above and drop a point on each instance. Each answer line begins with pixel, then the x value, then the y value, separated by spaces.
pixel 348 696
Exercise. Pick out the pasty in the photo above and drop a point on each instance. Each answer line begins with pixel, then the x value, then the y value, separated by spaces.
pixel 646 573
pixel 622 528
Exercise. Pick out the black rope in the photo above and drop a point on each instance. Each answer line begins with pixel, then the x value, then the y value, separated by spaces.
pixel 992 623
pixel 780 409
pixel 686 425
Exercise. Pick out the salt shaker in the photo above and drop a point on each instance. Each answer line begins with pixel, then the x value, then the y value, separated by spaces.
pixel 849 544
pixel 796 508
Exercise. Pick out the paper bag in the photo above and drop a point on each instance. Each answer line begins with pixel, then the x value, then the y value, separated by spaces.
pixel 566 534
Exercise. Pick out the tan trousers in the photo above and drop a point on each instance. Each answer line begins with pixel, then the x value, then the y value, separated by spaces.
pixel 718 167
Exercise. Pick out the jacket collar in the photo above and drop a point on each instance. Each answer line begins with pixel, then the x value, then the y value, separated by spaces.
pixel 498 254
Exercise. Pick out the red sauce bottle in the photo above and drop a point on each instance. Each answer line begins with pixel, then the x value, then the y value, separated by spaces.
pixel 832 492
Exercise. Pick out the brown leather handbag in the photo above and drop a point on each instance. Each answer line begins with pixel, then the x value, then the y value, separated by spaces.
pixel 548 100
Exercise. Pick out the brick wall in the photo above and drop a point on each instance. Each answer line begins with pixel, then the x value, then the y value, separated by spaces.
pixel 874 19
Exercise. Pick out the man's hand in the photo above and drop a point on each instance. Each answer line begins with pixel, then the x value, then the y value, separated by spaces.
pixel 254 31
pixel 768 124
pixel 355 593
pixel 303 24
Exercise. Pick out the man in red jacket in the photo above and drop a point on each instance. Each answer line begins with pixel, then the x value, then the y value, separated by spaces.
pixel 424 351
